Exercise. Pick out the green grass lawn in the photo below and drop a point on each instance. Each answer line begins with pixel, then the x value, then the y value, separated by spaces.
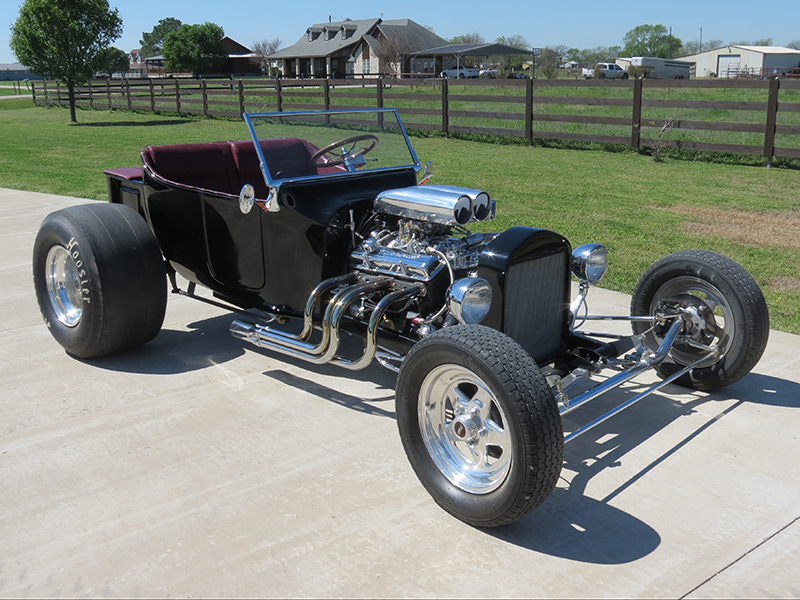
pixel 639 208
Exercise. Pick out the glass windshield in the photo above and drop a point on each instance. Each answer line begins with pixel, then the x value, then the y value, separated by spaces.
pixel 328 143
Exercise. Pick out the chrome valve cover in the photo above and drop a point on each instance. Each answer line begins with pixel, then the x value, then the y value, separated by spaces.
pixel 403 265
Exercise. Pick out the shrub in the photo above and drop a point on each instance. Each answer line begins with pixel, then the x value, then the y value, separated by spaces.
pixel 550 71
pixel 636 72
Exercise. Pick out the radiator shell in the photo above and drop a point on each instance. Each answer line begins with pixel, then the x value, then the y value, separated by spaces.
pixel 529 271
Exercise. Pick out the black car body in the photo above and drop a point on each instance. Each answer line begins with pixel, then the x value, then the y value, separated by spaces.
pixel 320 218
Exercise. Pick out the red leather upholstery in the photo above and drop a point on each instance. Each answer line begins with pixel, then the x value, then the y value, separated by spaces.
pixel 226 166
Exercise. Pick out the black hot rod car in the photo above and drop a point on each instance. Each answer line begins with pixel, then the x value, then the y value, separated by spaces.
pixel 319 220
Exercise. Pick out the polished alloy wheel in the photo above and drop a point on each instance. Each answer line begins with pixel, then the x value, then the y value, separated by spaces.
pixel 464 429
pixel 709 318
pixel 64 286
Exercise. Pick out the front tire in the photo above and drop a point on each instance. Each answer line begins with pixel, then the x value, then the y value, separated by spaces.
pixel 99 279
pixel 727 309
pixel 479 424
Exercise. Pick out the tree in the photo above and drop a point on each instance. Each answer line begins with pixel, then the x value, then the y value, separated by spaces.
pixel 262 50
pixel 468 38
pixel 111 60
pixel 695 48
pixel 794 45
pixel 651 40
pixel 193 48
pixel 61 39
pixel 393 49
pixel 512 61
pixel 153 43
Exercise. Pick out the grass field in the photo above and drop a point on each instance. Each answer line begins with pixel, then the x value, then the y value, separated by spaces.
pixel 639 208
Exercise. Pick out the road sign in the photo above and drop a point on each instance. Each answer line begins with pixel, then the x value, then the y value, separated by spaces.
pixel 536 51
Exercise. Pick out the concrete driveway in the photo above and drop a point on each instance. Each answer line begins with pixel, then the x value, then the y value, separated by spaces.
pixel 198 467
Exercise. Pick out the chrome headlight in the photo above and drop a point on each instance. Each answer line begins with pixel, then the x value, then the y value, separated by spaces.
pixel 589 262
pixel 469 300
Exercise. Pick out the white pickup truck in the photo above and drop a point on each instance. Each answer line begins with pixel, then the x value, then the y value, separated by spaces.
pixel 606 70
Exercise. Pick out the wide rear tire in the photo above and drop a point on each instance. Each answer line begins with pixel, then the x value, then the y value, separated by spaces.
pixel 479 424
pixel 99 278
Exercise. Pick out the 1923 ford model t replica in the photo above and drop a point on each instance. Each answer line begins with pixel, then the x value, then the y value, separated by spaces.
pixel 320 220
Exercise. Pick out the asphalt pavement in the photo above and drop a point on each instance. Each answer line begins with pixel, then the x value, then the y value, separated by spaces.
pixel 196 466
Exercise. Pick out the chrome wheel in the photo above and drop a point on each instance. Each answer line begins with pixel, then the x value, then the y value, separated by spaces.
pixel 464 429
pixel 64 286
pixel 708 317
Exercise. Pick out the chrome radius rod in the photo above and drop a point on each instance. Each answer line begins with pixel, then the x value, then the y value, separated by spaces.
pixel 647 361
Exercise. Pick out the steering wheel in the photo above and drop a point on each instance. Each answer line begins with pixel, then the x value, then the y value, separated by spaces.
pixel 338 158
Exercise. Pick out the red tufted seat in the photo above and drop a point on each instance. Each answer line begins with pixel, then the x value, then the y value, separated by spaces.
pixel 226 166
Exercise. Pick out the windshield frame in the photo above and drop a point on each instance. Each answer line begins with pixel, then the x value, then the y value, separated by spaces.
pixel 276 183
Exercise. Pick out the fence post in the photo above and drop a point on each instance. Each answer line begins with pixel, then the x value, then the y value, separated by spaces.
pixel 33 91
pixel 636 117
pixel 91 97
pixel 529 110
pixel 152 96
pixel 278 95
pixel 326 94
pixel 128 93
pixel 445 111
pixel 108 92
pixel 205 98
pixel 58 92
pixel 772 119
pixel 241 98
pixel 379 99
pixel 177 97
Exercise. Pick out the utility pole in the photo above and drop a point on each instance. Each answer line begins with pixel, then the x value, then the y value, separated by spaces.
pixel 701 39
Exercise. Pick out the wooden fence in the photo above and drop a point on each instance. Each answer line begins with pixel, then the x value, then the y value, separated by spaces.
pixel 760 117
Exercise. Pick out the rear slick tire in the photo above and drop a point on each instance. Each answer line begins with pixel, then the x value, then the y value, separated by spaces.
pixel 479 425
pixel 99 278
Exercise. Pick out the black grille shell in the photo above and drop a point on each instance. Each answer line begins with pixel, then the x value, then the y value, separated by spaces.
pixel 529 271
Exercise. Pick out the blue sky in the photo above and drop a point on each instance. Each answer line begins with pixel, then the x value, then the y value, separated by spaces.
pixel 579 24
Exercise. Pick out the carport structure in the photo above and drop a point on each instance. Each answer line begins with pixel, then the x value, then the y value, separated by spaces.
pixel 460 50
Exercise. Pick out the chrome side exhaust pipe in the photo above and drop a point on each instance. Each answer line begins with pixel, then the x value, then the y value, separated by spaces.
pixel 325 351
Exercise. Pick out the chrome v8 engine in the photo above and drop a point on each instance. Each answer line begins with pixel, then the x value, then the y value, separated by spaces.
pixel 417 242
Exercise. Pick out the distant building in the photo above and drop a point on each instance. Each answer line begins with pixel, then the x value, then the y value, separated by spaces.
pixel 137 67
pixel 342 49
pixel 241 61
pixel 16 72
pixel 736 61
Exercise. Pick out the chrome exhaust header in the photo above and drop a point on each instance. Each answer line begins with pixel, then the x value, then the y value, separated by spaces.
pixel 325 350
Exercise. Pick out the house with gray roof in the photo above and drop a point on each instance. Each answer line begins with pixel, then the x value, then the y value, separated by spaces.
pixel 346 48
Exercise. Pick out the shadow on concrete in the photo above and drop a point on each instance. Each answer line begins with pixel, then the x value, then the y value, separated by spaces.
pixel 571 525
pixel 173 352
pixel 331 395
pixel 767 390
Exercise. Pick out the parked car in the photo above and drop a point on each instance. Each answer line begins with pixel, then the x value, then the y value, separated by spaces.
pixel 489 73
pixel 605 70
pixel 461 73
pixel 319 220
